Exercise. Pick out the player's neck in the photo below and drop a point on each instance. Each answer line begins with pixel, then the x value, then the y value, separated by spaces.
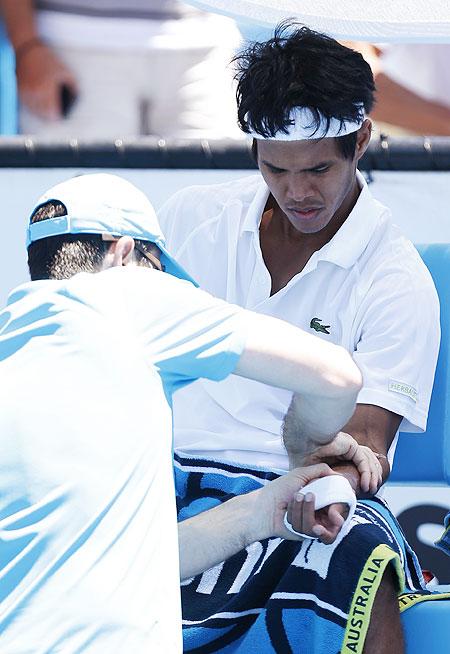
pixel 285 250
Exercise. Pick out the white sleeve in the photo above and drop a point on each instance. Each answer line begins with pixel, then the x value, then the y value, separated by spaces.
pixel 397 347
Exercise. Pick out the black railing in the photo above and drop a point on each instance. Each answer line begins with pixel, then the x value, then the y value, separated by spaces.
pixel 405 154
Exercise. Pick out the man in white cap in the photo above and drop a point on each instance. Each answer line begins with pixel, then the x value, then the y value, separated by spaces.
pixel 91 352
pixel 303 241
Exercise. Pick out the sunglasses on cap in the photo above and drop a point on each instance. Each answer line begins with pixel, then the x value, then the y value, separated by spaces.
pixel 154 261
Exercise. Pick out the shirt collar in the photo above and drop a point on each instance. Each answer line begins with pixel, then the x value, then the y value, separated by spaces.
pixel 350 240
pixel 256 207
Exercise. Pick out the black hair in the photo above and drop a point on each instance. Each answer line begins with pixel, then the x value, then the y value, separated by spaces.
pixel 301 68
pixel 65 255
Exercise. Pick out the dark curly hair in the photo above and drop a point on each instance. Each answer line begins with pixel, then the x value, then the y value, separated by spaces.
pixel 301 68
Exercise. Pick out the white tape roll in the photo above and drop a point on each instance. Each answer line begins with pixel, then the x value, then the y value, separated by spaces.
pixel 328 490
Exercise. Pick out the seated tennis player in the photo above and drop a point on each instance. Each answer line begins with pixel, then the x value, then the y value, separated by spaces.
pixel 305 241
pixel 91 351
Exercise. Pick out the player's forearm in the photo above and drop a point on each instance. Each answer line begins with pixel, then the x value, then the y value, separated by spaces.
pixel 351 455
pixel 373 427
pixel 18 16
pixel 350 471
pixel 214 536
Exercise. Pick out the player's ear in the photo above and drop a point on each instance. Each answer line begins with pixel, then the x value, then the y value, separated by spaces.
pixel 363 138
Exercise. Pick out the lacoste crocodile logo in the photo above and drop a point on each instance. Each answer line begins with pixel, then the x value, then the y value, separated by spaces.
pixel 315 324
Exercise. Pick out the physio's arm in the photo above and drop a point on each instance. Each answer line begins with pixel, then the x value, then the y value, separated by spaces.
pixel 324 376
pixel 215 535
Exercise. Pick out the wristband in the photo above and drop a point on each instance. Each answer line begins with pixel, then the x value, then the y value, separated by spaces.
pixel 327 490
pixel 26 46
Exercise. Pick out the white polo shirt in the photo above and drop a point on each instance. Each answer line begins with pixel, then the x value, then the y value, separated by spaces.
pixel 88 535
pixel 368 285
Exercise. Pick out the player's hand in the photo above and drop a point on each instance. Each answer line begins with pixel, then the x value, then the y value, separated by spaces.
pixel 324 524
pixel 281 495
pixel 344 448
pixel 40 76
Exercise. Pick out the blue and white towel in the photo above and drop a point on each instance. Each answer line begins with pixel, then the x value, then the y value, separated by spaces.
pixel 286 596
pixel 444 541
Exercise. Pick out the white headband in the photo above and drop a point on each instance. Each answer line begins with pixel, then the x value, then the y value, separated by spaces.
pixel 303 127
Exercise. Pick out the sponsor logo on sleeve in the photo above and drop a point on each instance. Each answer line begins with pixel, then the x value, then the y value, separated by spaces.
pixel 404 389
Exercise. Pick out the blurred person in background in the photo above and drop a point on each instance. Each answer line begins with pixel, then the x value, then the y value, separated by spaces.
pixel 413 87
pixel 108 69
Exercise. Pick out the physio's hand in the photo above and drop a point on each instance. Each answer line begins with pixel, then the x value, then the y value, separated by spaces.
pixel 281 495
pixel 40 76
pixel 344 448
